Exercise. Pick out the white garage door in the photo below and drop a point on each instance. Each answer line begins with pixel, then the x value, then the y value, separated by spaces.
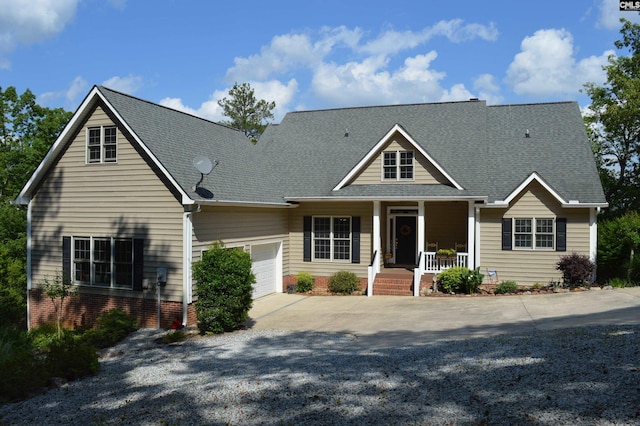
pixel 264 267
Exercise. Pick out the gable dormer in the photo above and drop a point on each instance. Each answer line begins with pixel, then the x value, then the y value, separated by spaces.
pixel 397 159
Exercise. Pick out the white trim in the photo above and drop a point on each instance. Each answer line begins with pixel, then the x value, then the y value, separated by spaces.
pixel 187 260
pixel 471 232
pixel 378 147
pixel 476 254
pixel 593 234
pixel 385 198
pixel 29 270
pixel 331 239
pixel 391 229
pixel 377 237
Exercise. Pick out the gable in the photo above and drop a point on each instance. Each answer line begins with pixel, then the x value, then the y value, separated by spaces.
pixel 388 139
pixel 424 172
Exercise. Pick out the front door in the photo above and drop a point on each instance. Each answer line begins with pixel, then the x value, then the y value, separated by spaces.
pixel 405 240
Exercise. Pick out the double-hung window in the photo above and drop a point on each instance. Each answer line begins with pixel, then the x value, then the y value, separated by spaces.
pixel 533 233
pixel 103 262
pixel 332 238
pixel 102 144
pixel 397 165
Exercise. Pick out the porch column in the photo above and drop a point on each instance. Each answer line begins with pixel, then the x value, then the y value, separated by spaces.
pixel 421 227
pixel 377 239
pixel 471 234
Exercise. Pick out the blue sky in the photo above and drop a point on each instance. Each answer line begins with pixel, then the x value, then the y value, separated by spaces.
pixel 311 54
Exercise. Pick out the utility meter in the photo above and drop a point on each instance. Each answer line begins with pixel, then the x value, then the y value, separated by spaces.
pixel 161 275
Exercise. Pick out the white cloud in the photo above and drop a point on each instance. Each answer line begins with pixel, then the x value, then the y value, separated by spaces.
pixel 546 65
pixel 31 21
pixel 368 82
pixel 129 84
pixel 488 89
pixel 610 14
pixel 71 95
pixel 273 90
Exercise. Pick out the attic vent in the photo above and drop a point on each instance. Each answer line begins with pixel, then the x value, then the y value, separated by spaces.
pixel 473 99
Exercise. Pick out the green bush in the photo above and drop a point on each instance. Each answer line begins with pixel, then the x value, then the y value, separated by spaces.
pixel 21 370
pixel 224 286
pixel 71 357
pixel 304 282
pixel 111 327
pixel 576 269
pixel 618 238
pixel 620 283
pixel 460 279
pixel 344 282
pixel 506 287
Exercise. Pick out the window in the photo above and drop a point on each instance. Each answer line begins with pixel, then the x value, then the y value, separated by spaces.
pixel 103 262
pixel 397 165
pixel 101 144
pixel 332 238
pixel 524 236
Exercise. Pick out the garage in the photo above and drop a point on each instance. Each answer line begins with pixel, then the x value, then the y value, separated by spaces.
pixel 265 268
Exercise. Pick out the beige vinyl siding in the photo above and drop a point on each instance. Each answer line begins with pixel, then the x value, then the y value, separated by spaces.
pixel 527 267
pixel 424 172
pixel 235 226
pixel 446 223
pixel 122 199
pixel 327 268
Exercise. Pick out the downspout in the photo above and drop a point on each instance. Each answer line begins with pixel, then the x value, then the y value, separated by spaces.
pixel 187 260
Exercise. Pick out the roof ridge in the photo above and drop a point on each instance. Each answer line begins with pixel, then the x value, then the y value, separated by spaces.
pixel 100 87
pixel 470 101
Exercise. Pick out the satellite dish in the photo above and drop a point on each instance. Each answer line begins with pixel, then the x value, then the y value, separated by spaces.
pixel 203 164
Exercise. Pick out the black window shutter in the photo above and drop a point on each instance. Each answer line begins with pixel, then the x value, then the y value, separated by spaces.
pixel 307 239
pixel 66 259
pixel 561 234
pixel 506 233
pixel 355 239
pixel 138 263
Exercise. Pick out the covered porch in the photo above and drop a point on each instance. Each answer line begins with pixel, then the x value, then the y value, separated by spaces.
pixel 423 237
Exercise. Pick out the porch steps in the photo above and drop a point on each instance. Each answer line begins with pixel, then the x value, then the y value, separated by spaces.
pixel 396 282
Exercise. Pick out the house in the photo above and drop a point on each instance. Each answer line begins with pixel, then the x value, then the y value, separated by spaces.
pixel 119 198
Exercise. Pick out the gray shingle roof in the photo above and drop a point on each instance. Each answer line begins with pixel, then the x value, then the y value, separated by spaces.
pixel 482 147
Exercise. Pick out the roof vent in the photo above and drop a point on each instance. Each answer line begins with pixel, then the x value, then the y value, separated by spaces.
pixel 527 134
pixel 346 133
pixel 473 99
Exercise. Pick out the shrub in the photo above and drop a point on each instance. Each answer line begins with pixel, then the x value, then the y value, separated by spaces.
pixel 343 282
pixel 174 336
pixel 304 282
pixel 506 287
pixel 224 285
pixel 21 370
pixel 576 269
pixel 460 279
pixel 71 357
pixel 111 327
pixel 620 283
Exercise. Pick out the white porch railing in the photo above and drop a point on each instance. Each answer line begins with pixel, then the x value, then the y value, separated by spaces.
pixel 434 264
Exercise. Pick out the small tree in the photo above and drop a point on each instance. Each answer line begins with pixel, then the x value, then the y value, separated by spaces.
pixel 58 288
pixel 224 286
pixel 245 112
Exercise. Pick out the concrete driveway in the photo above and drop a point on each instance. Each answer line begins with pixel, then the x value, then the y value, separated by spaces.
pixel 389 320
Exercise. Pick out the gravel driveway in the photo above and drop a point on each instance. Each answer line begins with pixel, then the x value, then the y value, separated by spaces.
pixel 579 376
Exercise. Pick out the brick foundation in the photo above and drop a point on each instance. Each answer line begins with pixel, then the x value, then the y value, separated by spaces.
pixel 82 310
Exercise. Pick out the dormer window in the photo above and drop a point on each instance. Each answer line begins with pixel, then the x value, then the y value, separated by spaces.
pixel 397 165
pixel 102 144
